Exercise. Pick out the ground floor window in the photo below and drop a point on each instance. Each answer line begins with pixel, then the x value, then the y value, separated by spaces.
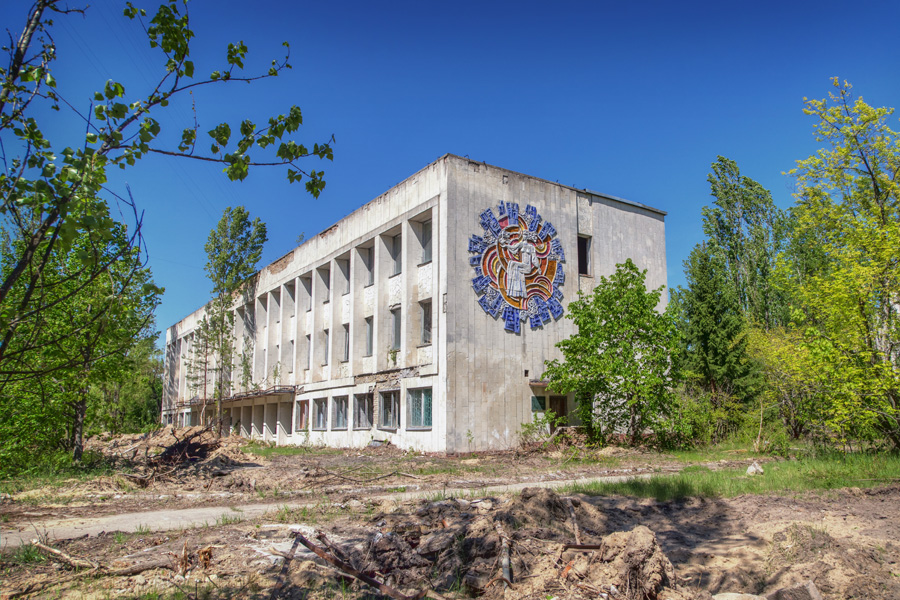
pixel 302 420
pixel 419 404
pixel 390 410
pixel 362 418
pixel 339 417
pixel 320 413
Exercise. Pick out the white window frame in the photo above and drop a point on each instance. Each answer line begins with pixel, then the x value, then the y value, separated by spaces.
pixel 319 409
pixel 389 410
pixel 339 417
pixel 416 398
pixel 368 403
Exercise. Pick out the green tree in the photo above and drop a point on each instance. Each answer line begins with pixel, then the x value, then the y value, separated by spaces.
pixel 618 363
pixel 130 399
pixel 848 200
pixel 49 197
pixel 750 231
pixel 233 248
pixel 714 360
pixel 75 343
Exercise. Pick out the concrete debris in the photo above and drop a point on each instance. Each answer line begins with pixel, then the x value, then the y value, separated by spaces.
pixel 755 469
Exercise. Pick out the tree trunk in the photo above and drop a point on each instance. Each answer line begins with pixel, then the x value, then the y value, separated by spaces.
pixel 78 427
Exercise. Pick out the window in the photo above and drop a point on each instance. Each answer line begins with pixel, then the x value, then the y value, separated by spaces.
pixel 339 416
pixel 320 413
pixel 307 289
pixel 426 242
pixel 346 355
pixel 291 358
pixel 369 263
pixel 584 255
pixel 395 329
pixel 396 254
pixel 419 404
pixel 426 322
pixel 325 361
pixel 308 352
pixel 362 416
pixel 326 285
pixel 369 336
pixel 344 266
pixel 302 422
pixel 390 410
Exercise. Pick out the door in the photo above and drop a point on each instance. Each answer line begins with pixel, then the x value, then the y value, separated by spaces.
pixel 558 406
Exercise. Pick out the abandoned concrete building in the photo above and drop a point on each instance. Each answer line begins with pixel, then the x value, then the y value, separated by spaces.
pixel 423 318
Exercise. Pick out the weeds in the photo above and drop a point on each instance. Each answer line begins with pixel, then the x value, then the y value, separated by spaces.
pixel 859 470
pixel 228 519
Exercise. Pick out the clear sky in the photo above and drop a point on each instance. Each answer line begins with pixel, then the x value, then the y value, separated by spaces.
pixel 633 99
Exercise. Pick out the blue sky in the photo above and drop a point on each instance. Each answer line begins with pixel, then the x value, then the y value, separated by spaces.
pixel 633 99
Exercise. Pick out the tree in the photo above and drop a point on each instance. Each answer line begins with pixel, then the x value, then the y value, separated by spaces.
pixel 749 231
pixel 77 342
pixel 848 200
pixel 48 198
pixel 714 359
pixel 618 363
pixel 233 248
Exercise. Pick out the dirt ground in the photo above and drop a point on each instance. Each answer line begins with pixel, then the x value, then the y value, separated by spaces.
pixel 845 541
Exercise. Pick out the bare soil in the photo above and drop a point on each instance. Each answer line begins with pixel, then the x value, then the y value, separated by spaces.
pixel 845 541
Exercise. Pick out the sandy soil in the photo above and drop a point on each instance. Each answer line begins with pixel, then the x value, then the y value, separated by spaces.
pixel 845 541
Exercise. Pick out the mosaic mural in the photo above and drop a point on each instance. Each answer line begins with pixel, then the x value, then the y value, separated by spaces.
pixel 518 264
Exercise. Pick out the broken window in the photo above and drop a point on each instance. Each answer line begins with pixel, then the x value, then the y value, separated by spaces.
pixel 320 413
pixel 426 322
pixel 419 404
pixel 339 416
pixel 302 421
pixel 362 418
pixel 390 410
pixel 584 255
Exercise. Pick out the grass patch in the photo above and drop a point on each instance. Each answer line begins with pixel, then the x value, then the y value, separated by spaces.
pixel 229 519
pixel 56 470
pixel 268 450
pixel 825 473
pixel 319 513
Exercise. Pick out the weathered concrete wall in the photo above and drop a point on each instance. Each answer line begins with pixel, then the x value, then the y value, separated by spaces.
pixel 489 369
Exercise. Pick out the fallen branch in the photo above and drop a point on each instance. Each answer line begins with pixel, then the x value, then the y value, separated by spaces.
pixel 583 547
pixel 574 520
pixel 504 555
pixel 60 556
pixel 288 557
pixel 342 566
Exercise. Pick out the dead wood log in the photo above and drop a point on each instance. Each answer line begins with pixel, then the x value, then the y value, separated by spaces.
pixel 66 559
pixel 288 557
pixel 504 555
pixel 342 566
pixel 584 547
pixel 574 520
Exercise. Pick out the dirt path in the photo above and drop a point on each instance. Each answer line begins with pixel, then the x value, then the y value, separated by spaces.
pixel 186 518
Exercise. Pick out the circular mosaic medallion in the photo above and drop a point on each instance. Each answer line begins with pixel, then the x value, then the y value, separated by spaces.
pixel 518 264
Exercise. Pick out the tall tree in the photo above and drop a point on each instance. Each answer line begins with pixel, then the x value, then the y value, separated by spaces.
pixel 848 200
pixel 714 333
pixel 75 343
pixel 49 197
pixel 233 248
pixel 750 231
pixel 619 361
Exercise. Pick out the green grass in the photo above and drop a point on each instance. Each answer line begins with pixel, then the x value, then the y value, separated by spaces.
pixel 825 473
pixel 268 450
pixel 56 470
pixel 228 519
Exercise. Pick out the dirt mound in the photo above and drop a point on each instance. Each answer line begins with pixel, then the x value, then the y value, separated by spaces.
pixel 459 544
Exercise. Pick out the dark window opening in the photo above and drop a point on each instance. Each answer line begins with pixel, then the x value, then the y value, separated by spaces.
pixel 584 255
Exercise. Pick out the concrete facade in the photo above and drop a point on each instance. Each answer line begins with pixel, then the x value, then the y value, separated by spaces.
pixel 381 327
